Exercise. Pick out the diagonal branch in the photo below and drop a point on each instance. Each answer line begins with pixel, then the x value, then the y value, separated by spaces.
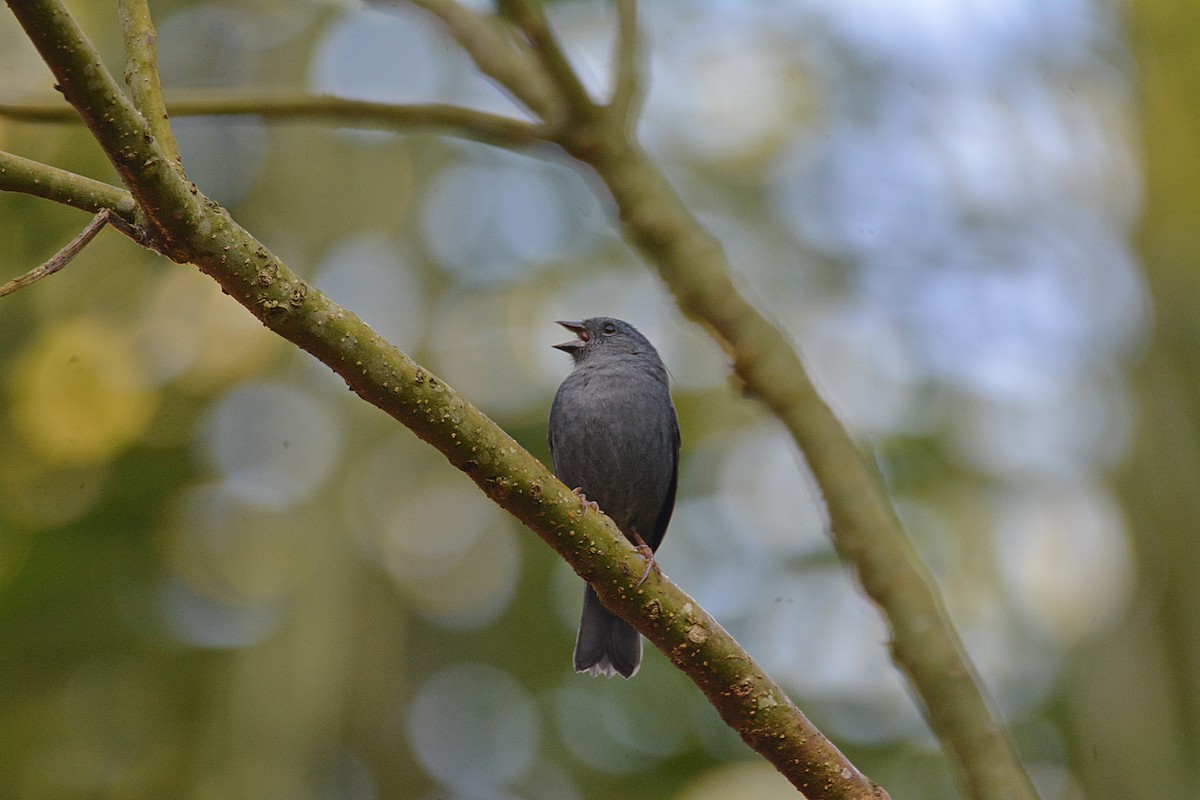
pixel 865 528
pixel 746 698
pixel 200 231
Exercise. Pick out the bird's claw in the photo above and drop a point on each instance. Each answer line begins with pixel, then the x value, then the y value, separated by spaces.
pixel 640 544
pixel 592 504
pixel 651 564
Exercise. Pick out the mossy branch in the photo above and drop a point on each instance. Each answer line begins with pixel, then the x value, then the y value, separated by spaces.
pixel 192 228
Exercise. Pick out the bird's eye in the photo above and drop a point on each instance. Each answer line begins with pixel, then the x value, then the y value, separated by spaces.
pixel 609 329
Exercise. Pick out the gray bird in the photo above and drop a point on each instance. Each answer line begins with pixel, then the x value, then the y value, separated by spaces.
pixel 614 437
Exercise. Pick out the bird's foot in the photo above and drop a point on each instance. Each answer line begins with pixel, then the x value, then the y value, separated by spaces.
pixel 647 553
pixel 592 504
pixel 651 564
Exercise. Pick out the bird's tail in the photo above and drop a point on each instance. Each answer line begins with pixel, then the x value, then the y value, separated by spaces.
pixel 607 645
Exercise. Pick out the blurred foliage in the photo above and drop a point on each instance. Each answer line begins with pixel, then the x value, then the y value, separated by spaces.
pixel 222 575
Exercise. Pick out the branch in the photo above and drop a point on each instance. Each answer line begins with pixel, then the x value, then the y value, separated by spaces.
pixel 530 18
pixel 627 59
pixel 464 123
pixel 141 73
pixel 51 183
pixel 160 191
pixel 200 231
pixel 864 525
pixel 496 55
pixel 62 257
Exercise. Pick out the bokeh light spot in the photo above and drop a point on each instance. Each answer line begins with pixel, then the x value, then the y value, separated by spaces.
pixel 79 396
pixel 491 221
pixel 480 343
pixel 595 730
pixel 474 728
pixel 759 485
pixel 35 494
pixel 272 444
pixel 392 57
pixel 200 338
pixel 367 274
pixel 110 722
pixel 452 554
pixel 225 156
pixel 1065 558
pixel 239 553
pixel 740 781
pixel 860 693
pixel 205 621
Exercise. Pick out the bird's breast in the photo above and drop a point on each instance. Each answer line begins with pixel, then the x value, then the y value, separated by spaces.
pixel 613 437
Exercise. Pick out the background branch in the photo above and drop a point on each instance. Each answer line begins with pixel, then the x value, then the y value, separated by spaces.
pixel 464 123
pixel 865 528
pixel 529 16
pixel 495 53
pixel 627 64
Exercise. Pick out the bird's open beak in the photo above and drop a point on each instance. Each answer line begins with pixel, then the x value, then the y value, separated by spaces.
pixel 573 345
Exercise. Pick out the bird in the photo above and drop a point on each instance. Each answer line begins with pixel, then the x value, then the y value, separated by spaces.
pixel 614 439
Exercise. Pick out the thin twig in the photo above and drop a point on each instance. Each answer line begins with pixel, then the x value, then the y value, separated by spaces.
pixel 62 257
pixel 49 112
pixel 627 64
pixel 530 18
pixel 495 54
pixel 141 73
pixel 31 177
pixel 463 123
pixel 34 178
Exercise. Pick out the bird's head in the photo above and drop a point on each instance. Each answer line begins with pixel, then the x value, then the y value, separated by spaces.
pixel 604 336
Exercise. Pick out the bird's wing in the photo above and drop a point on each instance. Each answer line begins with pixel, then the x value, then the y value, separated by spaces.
pixel 664 515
